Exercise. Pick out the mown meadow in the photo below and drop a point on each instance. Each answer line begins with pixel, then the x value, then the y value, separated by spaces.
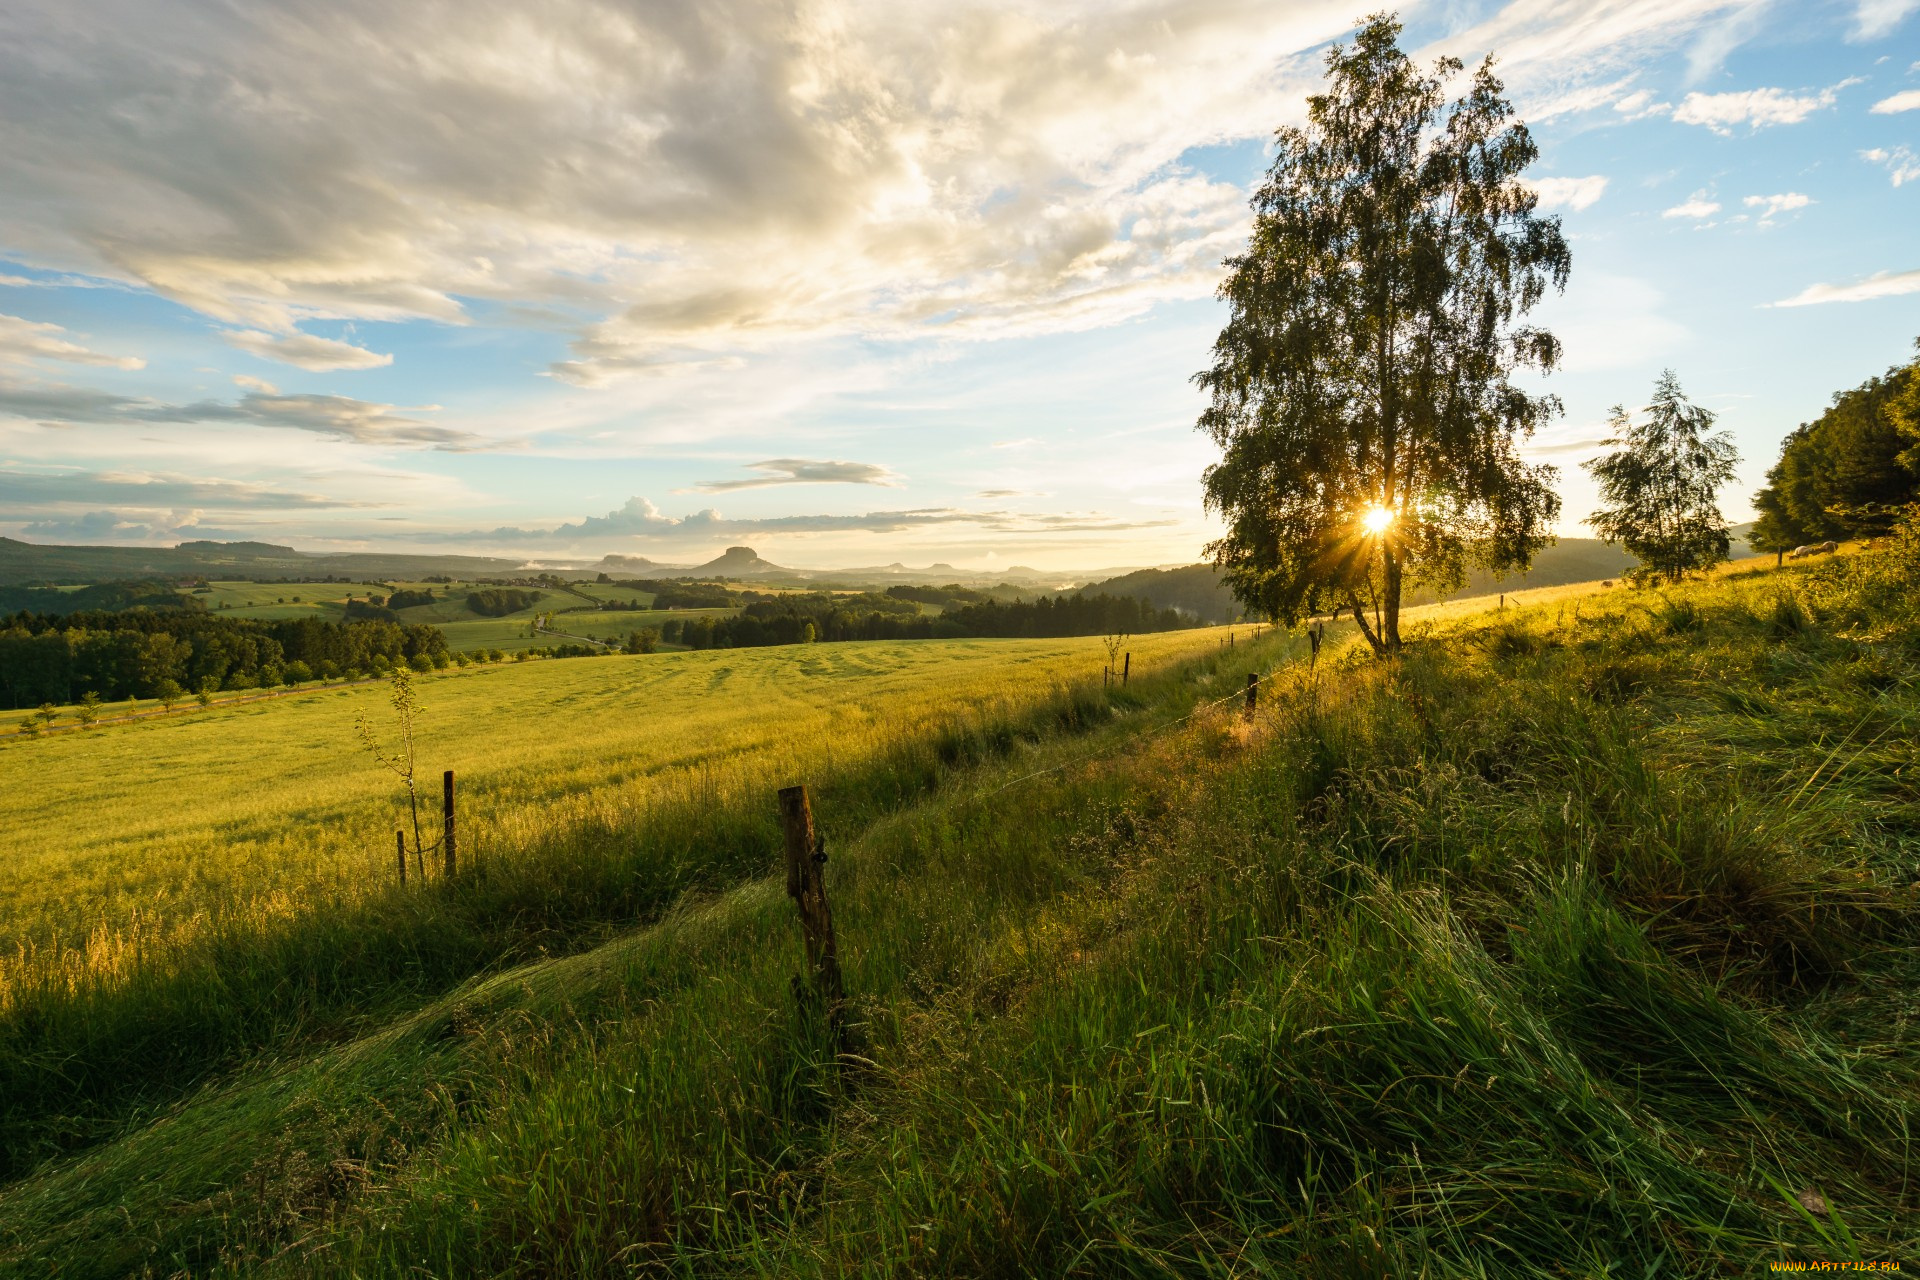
pixel 187 891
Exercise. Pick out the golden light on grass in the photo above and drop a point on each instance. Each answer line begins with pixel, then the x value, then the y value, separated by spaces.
pixel 1377 519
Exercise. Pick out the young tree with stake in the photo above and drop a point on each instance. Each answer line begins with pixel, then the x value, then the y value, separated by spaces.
pixel 1361 391
pixel 1662 484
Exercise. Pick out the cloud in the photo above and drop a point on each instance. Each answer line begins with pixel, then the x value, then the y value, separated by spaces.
pixel 1639 104
pixel 35 340
pixel 1569 193
pixel 255 384
pixel 340 417
pixel 804 471
pixel 1906 100
pixel 308 351
pixel 1696 206
pixel 686 184
pixel 1772 206
pixel 639 519
pixel 94 527
pixel 1901 164
pixel 152 490
pixel 1880 285
pixel 1721 112
pixel 1011 493
pixel 1875 18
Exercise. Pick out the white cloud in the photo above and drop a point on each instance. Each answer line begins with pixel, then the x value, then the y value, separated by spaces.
pixel 1772 206
pixel 1696 206
pixel 1640 104
pixel 777 471
pixel 252 383
pixel 151 490
pixel 1902 165
pixel 340 417
pixel 33 340
pixel 1875 18
pixel 1569 193
pixel 1721 112
pixel 639 520
pixel 1880 285
pixel 308 351
pixel 689 182
pixel 1906 100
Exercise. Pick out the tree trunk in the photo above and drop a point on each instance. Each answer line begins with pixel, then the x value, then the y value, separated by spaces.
pixel 1390 619
pixel 1360 616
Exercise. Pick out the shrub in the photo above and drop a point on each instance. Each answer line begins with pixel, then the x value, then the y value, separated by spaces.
pixel 420 662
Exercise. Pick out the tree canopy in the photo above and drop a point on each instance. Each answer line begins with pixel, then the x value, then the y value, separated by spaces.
pixel 1663 482
pixel 1361 390
pixel 1849 472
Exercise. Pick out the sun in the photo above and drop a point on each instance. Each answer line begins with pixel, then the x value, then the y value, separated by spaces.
pixel 1377 519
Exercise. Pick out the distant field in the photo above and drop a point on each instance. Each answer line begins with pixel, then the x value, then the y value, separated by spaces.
pixel 614 624
pixel 129 830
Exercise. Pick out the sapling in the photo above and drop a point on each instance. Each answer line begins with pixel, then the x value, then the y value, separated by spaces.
pixel 406 706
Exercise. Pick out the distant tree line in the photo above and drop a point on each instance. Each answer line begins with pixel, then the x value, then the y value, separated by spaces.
pixel 800 618
pixel 1850 472
pixel 101 596
pixel 682 595
pixel 145 653
pixel 1064 615
pixel 498 602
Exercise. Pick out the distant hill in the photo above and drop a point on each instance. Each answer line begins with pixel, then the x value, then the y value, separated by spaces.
pixel 24 562
pixel 633 564
pixel 1196 588
pixel 739 562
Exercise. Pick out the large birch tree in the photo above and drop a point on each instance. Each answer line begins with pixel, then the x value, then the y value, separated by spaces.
pixel 1362 389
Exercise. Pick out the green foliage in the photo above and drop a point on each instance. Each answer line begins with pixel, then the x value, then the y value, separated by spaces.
pixel 1847 473
pixel 103 596
pixel 498 602
pixel 1374 329
pixel 1663 482
pixel 410 599
pixel 128 654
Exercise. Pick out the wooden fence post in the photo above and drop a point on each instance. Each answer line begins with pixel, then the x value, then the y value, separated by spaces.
pixel 806 885
pixel 400 839
pixel 447 828
pixel 1253 692
pixel 1126 672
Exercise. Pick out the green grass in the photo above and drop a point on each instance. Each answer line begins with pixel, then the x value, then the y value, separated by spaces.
pixel 1579 941
pixel 171 878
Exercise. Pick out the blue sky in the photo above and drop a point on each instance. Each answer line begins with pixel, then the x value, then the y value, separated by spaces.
pixel 852 283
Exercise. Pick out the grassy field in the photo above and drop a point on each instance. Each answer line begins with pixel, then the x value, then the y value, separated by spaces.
pixel 1579 941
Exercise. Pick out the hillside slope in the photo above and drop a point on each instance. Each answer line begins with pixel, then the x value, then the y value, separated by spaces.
pixel 1581 939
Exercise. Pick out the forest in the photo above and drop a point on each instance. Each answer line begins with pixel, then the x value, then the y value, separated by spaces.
pixel 148 653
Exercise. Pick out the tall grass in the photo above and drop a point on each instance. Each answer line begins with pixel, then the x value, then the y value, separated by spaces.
pixel 1577 942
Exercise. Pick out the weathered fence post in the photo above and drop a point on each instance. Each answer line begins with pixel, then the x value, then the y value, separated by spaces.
pixel 1253 692
pixel 400 840
pixel 806 885
pixel 1126 671
pixel 447 828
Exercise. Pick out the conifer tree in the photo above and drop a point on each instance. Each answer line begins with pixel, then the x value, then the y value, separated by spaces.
pixel 1663 482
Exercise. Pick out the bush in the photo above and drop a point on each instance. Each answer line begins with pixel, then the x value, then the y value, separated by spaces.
pixel 297 672
pixel 420 662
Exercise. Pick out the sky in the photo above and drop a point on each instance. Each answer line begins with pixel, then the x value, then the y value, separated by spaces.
pixel 851 283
